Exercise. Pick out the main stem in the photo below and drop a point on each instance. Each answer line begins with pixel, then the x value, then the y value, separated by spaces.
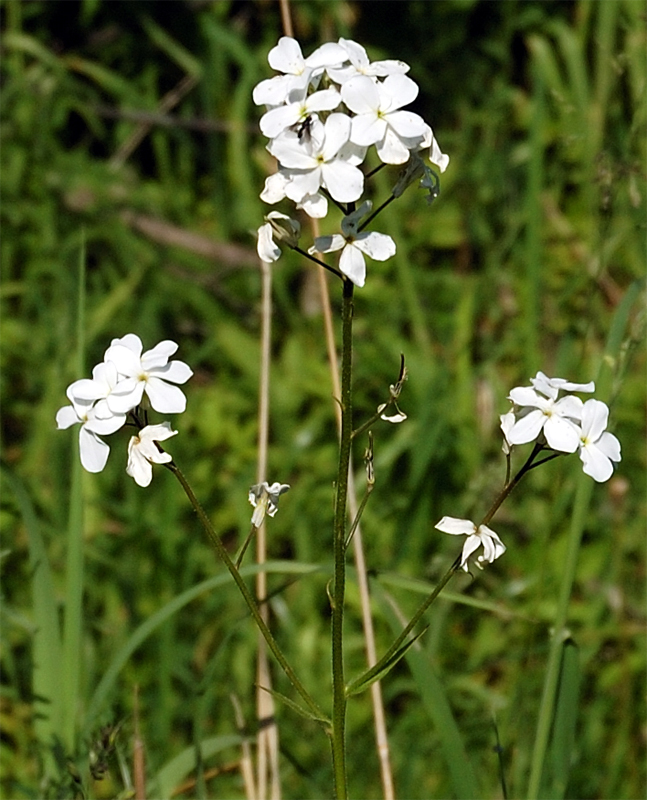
pixel 339 545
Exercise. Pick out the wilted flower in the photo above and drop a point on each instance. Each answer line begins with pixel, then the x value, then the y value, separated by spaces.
pixel 143 452
pixel 265 499
pixel 493 547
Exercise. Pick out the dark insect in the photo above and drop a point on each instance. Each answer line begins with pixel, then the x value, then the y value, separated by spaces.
pixel 304 130
pixel 102 749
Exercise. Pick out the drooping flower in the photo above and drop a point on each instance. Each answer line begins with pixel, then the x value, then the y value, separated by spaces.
pixel 354 245
pixel 483 536
pixel 280 227
pixel 92 449
pixel 265 499
pixel 598 448
pixel 151 373
pixel 143 452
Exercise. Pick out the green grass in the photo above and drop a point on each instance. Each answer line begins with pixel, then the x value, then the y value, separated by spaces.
pixel 533 257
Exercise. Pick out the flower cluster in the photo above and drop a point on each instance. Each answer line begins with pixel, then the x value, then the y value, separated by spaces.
pixel 101 404
pixel 565 424
pixel 322 114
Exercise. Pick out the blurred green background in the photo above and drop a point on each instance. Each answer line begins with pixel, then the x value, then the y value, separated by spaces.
pixel 130 144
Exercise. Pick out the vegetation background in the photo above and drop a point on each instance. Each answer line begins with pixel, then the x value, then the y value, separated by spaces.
pixel 532 255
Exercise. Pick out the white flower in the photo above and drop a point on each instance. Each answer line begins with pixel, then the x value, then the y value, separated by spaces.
pixel 286 57
pixel 354 245
pixel 360 64
pixel 318 162
pixel 278 226
pixel 298 109
pixel 104 379
pixel 555 418
pixel 265 246
pixel 93 450
pixel 265 499
pixel 551 386
pixel 143 452
pixel 148 373
pixel 379 120
pixel 598 448
pixel 493 547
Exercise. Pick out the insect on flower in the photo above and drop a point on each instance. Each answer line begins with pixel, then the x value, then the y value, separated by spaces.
pixel 304 129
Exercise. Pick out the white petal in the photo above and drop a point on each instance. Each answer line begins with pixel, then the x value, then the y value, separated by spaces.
pixel 596 464
pixel 407 124
pixel 344 181
pixel 315 205
pixel 286 56
pixel 397 91
pixel 327 244
pixel 138 467
pixel 361 95
pixel 159 355
pixel 267 250
pixel 610 446
pixel 561 434
pixel 392 150
pixel 175 372
pixel 353 265
pixel 454 525
pixel 367 129
pixel 276 120
pixel 94 452
pixel 527 429
pixel 165 398
pixel 66 417
pixel 595 415
pixel 378 246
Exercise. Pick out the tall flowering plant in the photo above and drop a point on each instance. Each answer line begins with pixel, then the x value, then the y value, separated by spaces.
pixel 323 114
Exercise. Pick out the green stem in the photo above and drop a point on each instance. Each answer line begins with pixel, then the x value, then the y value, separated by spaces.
pixel 338 739
pixel 503 494
pixel 247 595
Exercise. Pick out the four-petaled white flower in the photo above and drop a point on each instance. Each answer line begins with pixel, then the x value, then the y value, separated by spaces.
pixel 151 373
pixel 318 162
pixel 265 499
pixel 143 452
pixel 93 450
pixel 598 448
pixel 286 57
pixel 379 119
pixel 483 536
pixel 354 246
pixel 556 418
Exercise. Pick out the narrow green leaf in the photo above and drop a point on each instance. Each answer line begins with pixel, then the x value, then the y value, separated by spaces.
pixel 367 679
pixel 299 709
pixel 435 703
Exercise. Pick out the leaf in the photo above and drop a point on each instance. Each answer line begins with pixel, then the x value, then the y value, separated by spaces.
pixel 364 681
